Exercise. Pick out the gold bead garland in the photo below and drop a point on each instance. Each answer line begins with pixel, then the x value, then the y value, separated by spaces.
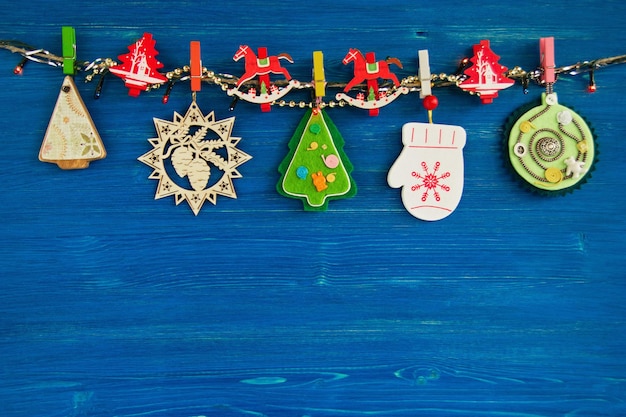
pixel 100 67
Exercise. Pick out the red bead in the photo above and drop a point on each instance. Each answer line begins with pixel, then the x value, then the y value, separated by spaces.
pixel 430 102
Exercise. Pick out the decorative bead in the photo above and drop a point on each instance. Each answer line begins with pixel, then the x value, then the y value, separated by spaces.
pixel 430 102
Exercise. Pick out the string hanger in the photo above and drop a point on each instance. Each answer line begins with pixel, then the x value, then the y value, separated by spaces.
pixel 373 96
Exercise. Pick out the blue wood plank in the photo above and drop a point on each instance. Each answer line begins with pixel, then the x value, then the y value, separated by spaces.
pixel 114 304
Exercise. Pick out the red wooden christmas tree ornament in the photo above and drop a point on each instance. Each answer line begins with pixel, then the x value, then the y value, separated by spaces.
pixel 486 76
pixel 139 67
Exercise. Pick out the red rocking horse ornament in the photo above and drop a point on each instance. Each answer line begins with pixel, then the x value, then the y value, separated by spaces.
pixel 366 68
pixel 262 66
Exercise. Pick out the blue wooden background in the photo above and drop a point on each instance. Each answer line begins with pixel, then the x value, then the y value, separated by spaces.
pixel 114 304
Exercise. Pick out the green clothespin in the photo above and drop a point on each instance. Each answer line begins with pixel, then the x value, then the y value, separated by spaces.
pixel 69 50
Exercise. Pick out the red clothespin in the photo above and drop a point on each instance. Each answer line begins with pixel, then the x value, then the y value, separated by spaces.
pixel 547 62
pixel 264 79
pixel 195 66
pixel 372 84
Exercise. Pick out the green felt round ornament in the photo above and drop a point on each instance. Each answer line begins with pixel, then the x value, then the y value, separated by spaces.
pixel 550 147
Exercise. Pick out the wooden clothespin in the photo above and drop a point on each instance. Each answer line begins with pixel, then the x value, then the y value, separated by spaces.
pixel 429 102
pixel 372 84
pixel 319 78
pixel 195 66
pixel 68 35
pixel 423 73
pixel 547 62
pixel 264 79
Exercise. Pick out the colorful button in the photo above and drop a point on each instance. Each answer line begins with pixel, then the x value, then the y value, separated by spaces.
pixel 564 117
pixel 551 99
pixel 525 126
pixel 319 181
pixel 302 172
pixel 315 128
pixel 582 146
pixel 553 175
pixel 520 149
pixel 331 161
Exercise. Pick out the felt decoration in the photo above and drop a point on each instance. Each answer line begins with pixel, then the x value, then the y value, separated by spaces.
pixel 316 170
pixel 550 147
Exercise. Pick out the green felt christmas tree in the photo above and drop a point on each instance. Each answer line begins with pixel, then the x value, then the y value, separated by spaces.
pixel 316 169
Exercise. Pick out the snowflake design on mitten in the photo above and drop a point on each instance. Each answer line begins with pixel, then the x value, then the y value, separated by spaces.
pixel 431 181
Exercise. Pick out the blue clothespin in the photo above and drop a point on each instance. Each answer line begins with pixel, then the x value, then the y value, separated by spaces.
pixel 69 50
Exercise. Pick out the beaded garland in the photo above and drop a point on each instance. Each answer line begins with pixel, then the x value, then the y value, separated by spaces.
pixel 100 67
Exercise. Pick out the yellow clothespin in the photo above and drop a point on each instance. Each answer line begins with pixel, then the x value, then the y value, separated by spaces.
pixel 319 79
pixel 68 35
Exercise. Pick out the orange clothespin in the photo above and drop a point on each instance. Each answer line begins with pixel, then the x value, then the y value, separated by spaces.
pixel 195 66
pixel 547 62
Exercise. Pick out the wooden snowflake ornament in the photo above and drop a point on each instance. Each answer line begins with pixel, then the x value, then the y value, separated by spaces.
pixel 194 158
pixel 139 68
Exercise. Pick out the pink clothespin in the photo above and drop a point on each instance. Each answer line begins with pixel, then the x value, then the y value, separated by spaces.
pixel 546 51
